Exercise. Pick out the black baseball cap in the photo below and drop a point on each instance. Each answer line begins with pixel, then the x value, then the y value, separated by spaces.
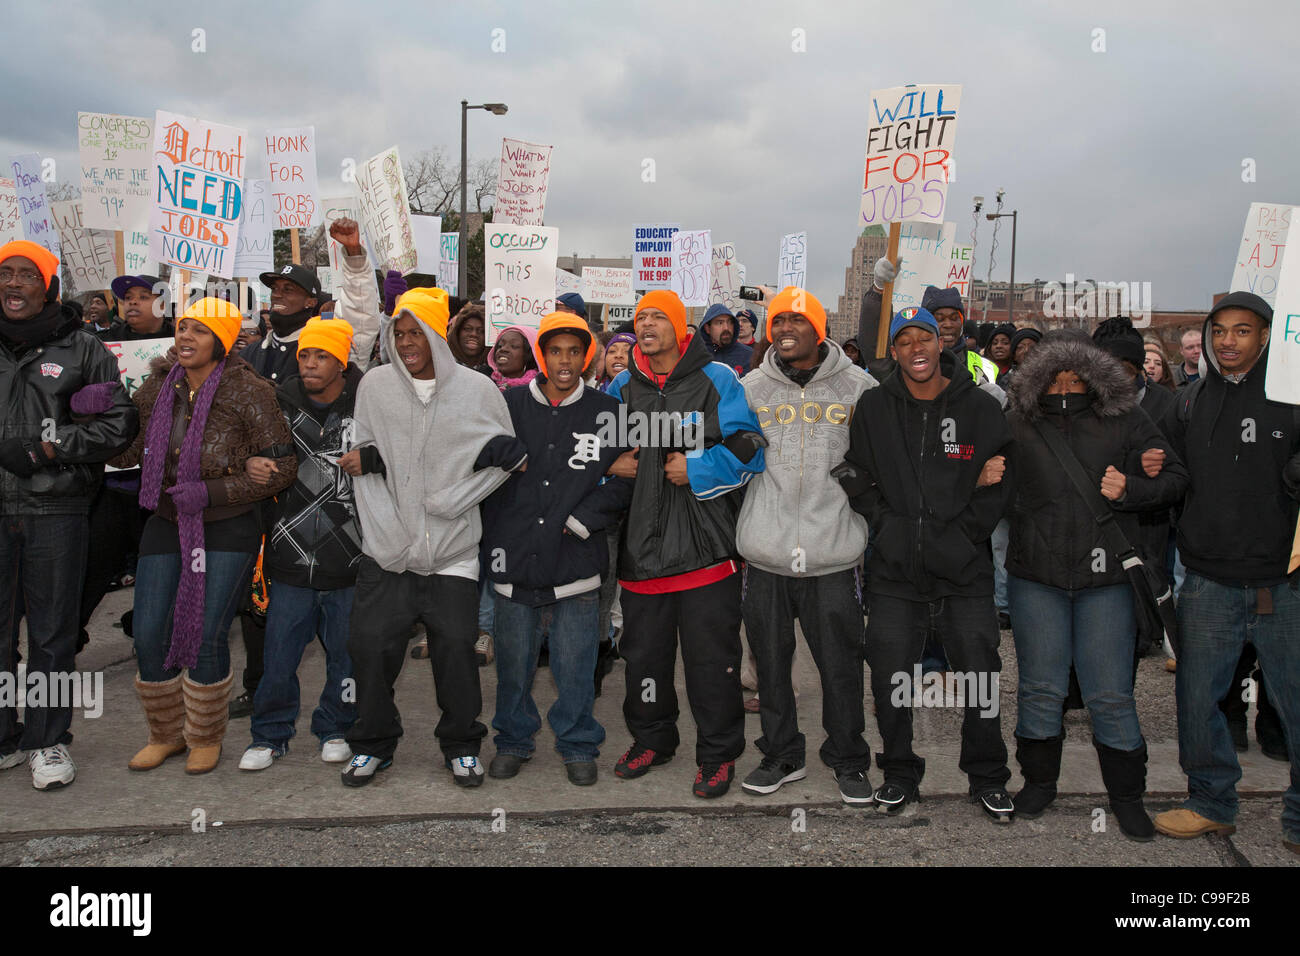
pixel 299 275
pixel 123 284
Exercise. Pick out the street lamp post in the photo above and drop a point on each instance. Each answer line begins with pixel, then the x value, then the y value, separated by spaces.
pixel 1011 289
pixel 496 109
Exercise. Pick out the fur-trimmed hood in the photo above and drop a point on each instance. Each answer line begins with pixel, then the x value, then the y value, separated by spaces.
pixel 1112 389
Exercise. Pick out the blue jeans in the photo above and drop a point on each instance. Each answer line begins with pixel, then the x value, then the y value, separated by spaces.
pixel 487 599
pixel 294 617
pixel 157 577
pixel 571 624
pixel 1214 622
pixel 1000 540
pixel 1093 629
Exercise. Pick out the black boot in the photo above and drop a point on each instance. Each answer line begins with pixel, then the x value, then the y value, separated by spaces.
pixel 1040 765
pixel 1125 774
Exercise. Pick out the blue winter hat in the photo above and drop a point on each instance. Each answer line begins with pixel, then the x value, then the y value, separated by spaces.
pixel 912 318
pixel 934 299
pixel 573 301
pixel 716 310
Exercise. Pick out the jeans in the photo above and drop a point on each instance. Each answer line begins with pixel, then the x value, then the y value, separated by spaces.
pixel 157 577
pixel 571 624
pixel 1214 622
pixel 1000 540
pixel 830 614
pixel 896 635
pixel 486 606
pixel 1095 630
pixel 42 566
pixel 296 616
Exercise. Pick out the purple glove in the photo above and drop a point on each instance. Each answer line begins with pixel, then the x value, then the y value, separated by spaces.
pixel 190 497
pixel 93 399
pixel 394 285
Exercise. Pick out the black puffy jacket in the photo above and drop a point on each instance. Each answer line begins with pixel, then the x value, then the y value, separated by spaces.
pixel 1054 538
pixel 36 386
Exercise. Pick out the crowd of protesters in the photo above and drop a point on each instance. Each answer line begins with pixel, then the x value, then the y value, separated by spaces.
pixel 360 473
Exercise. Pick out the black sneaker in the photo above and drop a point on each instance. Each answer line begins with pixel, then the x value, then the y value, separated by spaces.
pixel 854 786
pixel 637 762
pixel 770 774
pixel 1004 621
pixel 893 799
pixel 997 804
pixel 713 780
pixel 241 706
pixel 363 768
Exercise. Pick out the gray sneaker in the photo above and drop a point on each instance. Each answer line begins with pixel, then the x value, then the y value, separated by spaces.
pixel 15 759
pixel 771 774
pixel 854 786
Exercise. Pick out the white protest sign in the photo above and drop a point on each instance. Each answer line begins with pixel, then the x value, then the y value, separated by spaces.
pixel 692 254
pixel 198 193
pixel 566 281
pixel 11 221
pixel 1282 376
pixel 792 263
pixel 386 213
pixel 87 254
pixel 115 170
pixel 521 183
pixel 607 284
pixel 33 206
pixel 652 261
pixel 133 359
pixel 613 315
pixel 329 280
pixel 519 274
pixel 725 275
pixel 343 207
pixel 960 259
pixel 291 170
pixel 427 232
pixel 135 246
pixel 924 251
pixel 449 262
pixel 1259 258
pixel 909 153
pixel 255 250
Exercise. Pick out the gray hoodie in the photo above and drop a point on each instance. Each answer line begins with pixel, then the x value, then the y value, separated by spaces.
pixel 796 519
pixel 423 515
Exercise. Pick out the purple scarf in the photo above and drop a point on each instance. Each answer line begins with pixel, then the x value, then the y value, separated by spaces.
pixel 187 616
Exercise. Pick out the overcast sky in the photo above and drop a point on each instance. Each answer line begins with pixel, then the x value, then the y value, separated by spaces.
pixel 1124 165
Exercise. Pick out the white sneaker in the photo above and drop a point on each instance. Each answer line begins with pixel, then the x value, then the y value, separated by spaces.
pixel 483 649
pixel 257 758
pixel 13 759
pixel 335 750
pixel 52 767
pixel 466 771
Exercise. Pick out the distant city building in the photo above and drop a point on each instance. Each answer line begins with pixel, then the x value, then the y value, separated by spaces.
pixel 842 323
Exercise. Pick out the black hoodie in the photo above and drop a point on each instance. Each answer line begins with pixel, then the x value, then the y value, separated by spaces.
pixel 918 462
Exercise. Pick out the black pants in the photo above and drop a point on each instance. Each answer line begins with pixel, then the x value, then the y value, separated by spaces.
pixel 253 628
pixel 708 622
pixel 896 635
pixel 116 523
pixel 830 614
pixel 385 609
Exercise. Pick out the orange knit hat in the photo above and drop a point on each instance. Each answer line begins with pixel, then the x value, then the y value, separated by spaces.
pixel 430 306
pixel 801 302
pixel 222 318
pixel 666 302
pixel 563 322
pixel 332 335
pixel 46 262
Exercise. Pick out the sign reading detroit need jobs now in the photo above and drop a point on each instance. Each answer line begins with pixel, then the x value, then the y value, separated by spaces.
pixel 519 273
pixel 652 261
pixel 909 153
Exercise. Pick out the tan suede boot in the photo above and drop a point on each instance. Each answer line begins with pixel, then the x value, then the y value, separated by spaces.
pixel 206 713
pixel 164 709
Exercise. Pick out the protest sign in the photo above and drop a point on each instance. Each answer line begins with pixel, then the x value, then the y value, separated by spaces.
pixel 1259 258
pixel 255 250
pixel 11 221
pixel 1282 377
pixel 87 254
pixel 909 153
pixel 606 284
pixel 449 262
pixel 115 164
pixel 521 183
pixel 924 252
pixel 566 281
pixel 343 207
pixel 960 259
pixel 692 255
pixel 135 249
pixel 652 261
pixel 329 280
pixel 291 171
pixel 427 233
pixel 792 264
pixel 724 275
pixel 519 274
pixel 385 212
pixel 133 359
pixel 613 315
pixel 33 206
pixel 198 169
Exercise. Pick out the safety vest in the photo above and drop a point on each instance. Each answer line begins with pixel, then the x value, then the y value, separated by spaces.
pixel 981 369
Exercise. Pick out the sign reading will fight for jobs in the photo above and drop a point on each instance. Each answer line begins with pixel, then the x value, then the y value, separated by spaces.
pixel 909 153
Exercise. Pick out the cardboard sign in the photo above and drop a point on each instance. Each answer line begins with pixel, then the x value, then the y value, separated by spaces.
pixel 909 153
pixel 519 274
pixel 87 254
pixel 33 205
pixel 606 284
pixel 135 245
pixel 792 263
pixel 291 171
pixel 924 252
pixel 11 220
pixel 1259 258
pixel 427 232
pixel 692 256
pixel 652 261
pixel 198 170
pixel 725 275
pixel 385 212
pixel 343 207
pixel 449 262
pixel 566 281
pixel 115 170
pixel 521 183
pixel 255 250
pixel 1282 377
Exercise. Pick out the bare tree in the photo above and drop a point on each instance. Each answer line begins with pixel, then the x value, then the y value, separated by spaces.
pixel 433 182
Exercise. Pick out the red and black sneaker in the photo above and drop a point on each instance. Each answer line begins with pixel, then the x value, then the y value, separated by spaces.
pixel 713 780
pixel 637 762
